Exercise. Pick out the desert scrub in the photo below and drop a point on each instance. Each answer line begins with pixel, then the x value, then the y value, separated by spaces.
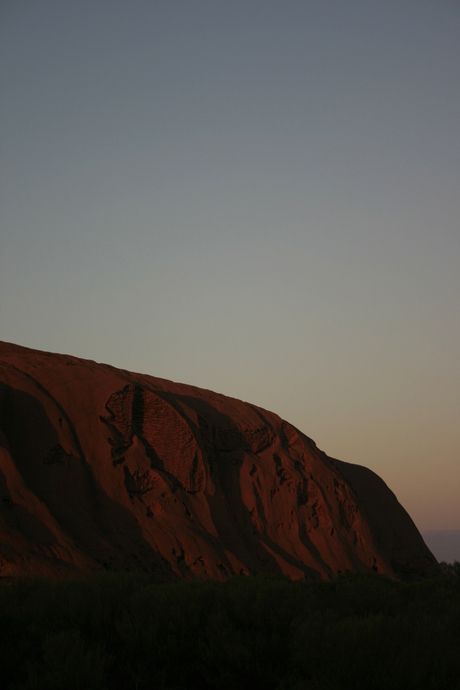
pixel 122 631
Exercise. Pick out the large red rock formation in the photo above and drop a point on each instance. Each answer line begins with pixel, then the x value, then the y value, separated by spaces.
pixel 104 468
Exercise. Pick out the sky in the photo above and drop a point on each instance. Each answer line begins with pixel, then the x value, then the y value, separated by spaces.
pixel 256 197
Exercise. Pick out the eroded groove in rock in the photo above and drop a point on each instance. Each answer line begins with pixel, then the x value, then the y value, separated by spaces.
pixel 167 438
pixel 119 419
pixel 173 442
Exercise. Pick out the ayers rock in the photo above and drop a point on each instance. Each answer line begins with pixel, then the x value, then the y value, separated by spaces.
pixel 104 468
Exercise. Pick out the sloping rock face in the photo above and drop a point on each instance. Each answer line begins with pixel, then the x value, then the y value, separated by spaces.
pixel 103 468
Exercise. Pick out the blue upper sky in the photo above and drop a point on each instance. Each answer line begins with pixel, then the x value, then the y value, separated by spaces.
pixel 257 197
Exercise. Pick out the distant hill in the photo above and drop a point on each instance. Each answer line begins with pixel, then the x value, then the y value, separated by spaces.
pixel 444 544
pixel 104 468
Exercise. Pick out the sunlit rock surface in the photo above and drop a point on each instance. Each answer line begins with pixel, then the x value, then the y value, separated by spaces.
pixel 104 468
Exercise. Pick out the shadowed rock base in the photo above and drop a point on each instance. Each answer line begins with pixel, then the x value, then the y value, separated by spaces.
pixel 103 468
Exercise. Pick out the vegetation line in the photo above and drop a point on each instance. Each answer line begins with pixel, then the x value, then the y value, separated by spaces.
pixel 123 630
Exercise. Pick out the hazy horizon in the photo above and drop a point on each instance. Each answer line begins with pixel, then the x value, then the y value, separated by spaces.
pixel 443 544
pixel 255 198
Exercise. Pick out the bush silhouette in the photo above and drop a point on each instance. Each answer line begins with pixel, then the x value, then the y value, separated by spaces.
pixel 121 630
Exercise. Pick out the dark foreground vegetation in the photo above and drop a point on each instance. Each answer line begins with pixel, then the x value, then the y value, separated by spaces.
pixel 119 630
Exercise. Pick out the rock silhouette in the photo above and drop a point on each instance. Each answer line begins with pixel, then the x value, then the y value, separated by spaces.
pixel 104 468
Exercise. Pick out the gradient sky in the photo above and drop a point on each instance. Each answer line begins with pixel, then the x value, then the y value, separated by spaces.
pixel 252 196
